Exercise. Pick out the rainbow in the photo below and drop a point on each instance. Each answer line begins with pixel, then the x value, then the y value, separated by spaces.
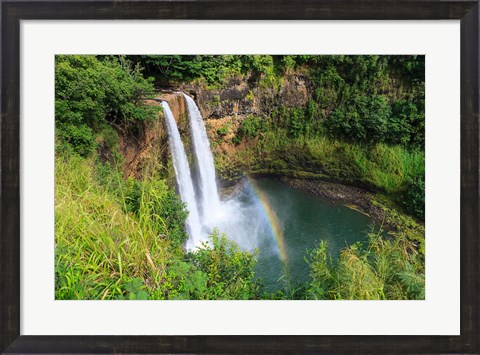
pixel 270 215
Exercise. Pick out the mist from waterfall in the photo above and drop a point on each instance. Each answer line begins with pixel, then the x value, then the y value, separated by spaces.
pixel 184 178
pixel 209 201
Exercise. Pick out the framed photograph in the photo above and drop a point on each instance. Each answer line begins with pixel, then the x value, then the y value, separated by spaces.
pixel 250 176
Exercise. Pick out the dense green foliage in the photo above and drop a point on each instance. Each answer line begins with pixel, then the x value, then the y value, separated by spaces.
pixel 250 128
pixel 92 94
pixel 230 270
pixel 361 119
pixel 181 68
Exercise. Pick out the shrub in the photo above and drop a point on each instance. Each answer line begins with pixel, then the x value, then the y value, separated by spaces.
pixel 407 124
pixel 414 199
pixel 80 137
pixel 262 67
pixel 222 131
pixel 230 270
pixel 296 122
pixel 250 127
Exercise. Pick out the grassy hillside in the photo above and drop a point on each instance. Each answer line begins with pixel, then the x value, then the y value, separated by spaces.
pixel 117 239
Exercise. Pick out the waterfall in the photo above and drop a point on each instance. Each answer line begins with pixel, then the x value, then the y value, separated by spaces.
pixel 209 200
pixel 184 179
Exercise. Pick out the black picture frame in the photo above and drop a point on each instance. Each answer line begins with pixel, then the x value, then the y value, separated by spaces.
pixel 12 12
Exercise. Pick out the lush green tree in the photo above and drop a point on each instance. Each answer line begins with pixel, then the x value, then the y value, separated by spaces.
pixel 407 124
pixel 361 119
pixel 91 92
pixel 180 68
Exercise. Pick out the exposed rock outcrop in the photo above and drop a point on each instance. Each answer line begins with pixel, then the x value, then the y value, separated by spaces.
pixel 149 142
pixel 243 97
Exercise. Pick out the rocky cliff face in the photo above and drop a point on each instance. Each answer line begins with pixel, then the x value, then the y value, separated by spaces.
pixel 246 97
pixel 150 142
pixel 224 108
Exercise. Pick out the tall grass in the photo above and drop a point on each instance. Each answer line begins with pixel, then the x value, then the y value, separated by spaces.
pixel 384 269
pixel 123 239
pixel 99 248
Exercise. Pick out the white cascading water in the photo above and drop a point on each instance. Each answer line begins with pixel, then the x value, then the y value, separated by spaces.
pixel 238 219
pixel 209 199
pixel 235 218
pixel 184 179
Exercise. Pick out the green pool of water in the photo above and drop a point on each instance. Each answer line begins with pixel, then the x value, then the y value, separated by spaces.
pixel 302 222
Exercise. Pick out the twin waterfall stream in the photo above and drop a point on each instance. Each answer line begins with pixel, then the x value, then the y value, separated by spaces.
pixel 204 204
pixel 281 223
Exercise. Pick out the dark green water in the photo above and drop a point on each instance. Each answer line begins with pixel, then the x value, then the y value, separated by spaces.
pixel 304 220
